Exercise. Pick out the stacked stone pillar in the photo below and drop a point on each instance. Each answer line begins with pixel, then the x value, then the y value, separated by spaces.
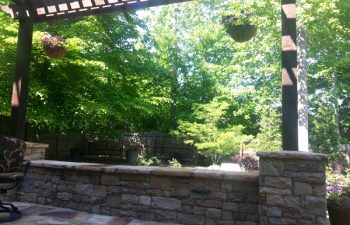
pixel 292 188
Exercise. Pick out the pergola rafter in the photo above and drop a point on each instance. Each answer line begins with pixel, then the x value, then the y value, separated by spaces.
pixel 48 10
pixel 29 11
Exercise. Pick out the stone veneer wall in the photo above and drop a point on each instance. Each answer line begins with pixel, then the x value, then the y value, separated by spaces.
pixel 289 190
pixel 292 188
pixel 35 151
pixel 186 196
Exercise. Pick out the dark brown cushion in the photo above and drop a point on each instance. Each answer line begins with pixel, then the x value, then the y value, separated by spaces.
pixel 11 154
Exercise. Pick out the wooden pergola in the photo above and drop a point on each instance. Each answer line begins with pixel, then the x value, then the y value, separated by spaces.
pixel 35 11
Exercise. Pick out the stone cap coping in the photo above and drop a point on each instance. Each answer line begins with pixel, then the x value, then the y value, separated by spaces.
pixel 150 170
pixel 293 155
pixel 36 145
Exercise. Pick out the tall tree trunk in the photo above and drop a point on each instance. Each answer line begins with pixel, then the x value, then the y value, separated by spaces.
pixel 335 106
pixel 303 111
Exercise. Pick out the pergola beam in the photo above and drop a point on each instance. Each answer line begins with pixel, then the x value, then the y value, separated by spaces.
pixel 49 10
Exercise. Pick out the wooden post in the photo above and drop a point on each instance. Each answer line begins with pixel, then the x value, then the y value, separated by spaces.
pixel 21 75
pixel 289 76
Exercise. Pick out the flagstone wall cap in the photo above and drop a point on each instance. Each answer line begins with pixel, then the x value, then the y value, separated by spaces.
pixel 36 145
pixel 151 170
pixel 293 155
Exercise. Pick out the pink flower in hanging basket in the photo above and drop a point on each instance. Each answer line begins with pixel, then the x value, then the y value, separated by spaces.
pixel 54 46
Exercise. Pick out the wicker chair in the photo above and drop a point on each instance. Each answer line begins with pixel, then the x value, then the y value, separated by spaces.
pixel 12 169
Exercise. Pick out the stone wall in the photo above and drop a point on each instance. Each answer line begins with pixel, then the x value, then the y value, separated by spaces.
pixel 292 188
pixel 186 196
pixel 289 190
pixel 35 151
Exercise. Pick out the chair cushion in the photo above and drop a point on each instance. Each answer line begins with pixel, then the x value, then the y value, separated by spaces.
pixel 11 154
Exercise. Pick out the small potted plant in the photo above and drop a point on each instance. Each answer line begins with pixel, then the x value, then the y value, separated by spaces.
pixel 133 146
pixel 239 26
pixel 338 204
pixel 54 46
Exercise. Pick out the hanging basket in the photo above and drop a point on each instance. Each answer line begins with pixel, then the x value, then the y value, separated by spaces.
pixel 56 52
pixel 54 46
pixel 241 33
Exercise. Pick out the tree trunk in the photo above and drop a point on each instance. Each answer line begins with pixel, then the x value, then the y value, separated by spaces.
pixel 303 111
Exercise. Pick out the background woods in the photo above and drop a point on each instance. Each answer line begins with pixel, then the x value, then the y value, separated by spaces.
pixel 177 71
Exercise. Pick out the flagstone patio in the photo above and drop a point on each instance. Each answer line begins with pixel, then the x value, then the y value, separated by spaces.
pixel 34 214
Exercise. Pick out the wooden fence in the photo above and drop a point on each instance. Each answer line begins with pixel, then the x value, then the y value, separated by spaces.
pixel 60 145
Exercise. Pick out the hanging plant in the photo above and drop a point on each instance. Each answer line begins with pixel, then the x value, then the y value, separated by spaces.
pixel 239 26
pixel 54 46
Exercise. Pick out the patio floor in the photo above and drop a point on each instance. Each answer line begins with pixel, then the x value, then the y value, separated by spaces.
pixel 34 214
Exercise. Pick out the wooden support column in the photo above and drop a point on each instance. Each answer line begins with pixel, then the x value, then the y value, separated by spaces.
pixel 289 76
pixel 21 75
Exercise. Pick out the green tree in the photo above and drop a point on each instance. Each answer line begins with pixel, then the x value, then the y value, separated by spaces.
pixel 210 133
pixel 269 137
pixel 108 81
pixel 329 87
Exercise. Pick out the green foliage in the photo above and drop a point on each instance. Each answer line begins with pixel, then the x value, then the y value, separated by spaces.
pixel 210 131
pixel 329 71
pixel 326 138
pixel 173 163
pixel 177 69
pixel 269 137
pixel 8 38
pixel 106 83
pixel 147 158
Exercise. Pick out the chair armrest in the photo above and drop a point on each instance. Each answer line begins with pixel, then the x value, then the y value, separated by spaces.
pixel 26 164
pixel 9 181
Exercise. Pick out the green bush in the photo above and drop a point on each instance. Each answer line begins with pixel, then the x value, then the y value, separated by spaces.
pixel 148 158
pixel 173 163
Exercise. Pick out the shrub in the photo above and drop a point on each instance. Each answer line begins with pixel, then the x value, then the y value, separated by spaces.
pixel 248 161
pixel 147 158
pixel 174 163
